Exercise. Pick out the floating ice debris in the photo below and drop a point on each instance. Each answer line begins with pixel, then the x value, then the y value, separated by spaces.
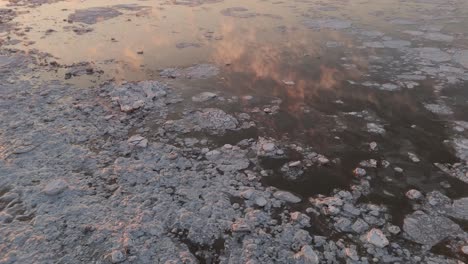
pixel 374 44
pixel 370 84
pixel 377 238
pixel 413 157
pixel 334 24
pixel 12 61
pixel 359 172
pixel 411 77
pixel 375 128
pixel 438 109
pixel 210 120
pixel 413 32
pixel 333 44
pixel 294 163
pixel 450 69
pixel 461 57
pixel 464 249
pixel 411 85
pixel 132 96
pixel 292 172
pixel 138 141
pixel 414 194
pixel 429 229
pixel 194 2
pixel 184 45
pixel 268 147
pixel 286 196
pixel 322 160
pixel 199 71
pixel 55 187
pixel 385 163
pixel 80 68
pixel 261 201
pixel 431 28
pixel 371 163
pixel 174 200
pixel 400 21
pixel 117 256
pixel 461 148
pixel 396 44
pixel 202 97
pixel 79 29
pixel 461 126
pixel 459 208
pixel 372 33
pixel 389 87
pixel 239 12
pixel 93 15
pixel 307 256
pixel 288 82
pixel 433 54
pixel 438 37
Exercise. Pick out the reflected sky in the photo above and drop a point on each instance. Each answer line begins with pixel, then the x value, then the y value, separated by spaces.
pixel 259 45
pixel 253 41
pixel 272 28
pixel 264 49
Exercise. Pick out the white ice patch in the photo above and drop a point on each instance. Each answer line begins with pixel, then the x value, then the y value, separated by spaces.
pixel 334 24
pixel 438 109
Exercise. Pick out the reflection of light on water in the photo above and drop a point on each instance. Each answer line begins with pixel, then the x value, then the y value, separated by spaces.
pixel 133 59
pixel 254 46
pixel 264 55
pixel 327 77
pixel 229 49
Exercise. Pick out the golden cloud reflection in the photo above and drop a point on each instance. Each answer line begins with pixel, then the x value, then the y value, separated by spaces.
pixel 262 53
pixel 284 58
